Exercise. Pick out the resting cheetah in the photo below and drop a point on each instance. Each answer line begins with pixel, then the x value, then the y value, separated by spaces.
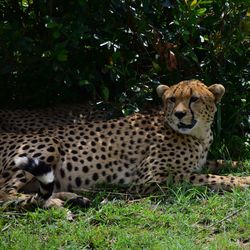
pixel 142 151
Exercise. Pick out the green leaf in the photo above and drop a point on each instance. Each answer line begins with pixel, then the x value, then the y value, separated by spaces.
pixel 56 34
pixel 205 2
pixel 62 56
pixel 156 66
pixel 84 82
pixel 105 92
pixel 201 11
pixel 51 25
pixel 193 56
pixel 194 3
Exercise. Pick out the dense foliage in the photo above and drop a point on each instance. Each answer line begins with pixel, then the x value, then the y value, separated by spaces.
pixel 119 50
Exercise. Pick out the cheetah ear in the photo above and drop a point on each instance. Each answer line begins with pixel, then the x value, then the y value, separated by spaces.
pixel 161 89
pixel 218 91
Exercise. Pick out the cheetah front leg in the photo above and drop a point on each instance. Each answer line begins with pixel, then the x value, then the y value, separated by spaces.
pixel 154 175
pixel 216 182
pixel 151 176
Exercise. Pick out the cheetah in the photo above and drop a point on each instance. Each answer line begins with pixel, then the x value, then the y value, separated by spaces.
pixel 141 152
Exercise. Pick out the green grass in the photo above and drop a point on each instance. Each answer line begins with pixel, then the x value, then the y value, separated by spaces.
pixel 186 218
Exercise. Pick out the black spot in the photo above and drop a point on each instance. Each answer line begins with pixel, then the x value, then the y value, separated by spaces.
pixel 51 149
pixel 26 147
pixel 61 152
pixel 71 132
pixel 127 174
pixel 11 147
pixel 98 129
pixel 7 174
pixel 89 158
pixel 85 169
pixel 108 178
pixel 50 158
pixel 37 155
pixel 18 176
pixel 69 166
pixel 62 173
pixel 192 178
pixel 99 166
pixel 78 181
pixel 54 140
pixel 95 177
pixel 74 158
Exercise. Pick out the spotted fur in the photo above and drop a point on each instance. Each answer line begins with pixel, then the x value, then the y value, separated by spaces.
pixel 140 152
pixel 29 120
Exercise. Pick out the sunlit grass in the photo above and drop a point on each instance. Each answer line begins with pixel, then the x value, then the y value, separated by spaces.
pixel 186 218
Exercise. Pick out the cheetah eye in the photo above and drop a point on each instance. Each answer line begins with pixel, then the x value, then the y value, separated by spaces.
pixel 172 99
pixel 194 99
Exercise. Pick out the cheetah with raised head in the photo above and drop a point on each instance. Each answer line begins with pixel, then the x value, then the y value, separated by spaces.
pixel 142 151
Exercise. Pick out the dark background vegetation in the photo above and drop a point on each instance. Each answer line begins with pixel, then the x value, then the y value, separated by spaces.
pixel 58 51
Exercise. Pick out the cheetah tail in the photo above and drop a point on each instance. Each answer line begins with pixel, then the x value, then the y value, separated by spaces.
pixel 41 171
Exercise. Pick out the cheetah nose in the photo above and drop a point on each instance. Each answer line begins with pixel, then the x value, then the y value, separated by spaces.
pixel 179 114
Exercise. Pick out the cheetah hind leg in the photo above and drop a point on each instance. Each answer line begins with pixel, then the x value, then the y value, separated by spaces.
pixel 45 176
pixel 10 197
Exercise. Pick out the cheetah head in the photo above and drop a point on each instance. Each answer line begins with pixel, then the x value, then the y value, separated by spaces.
pixel 189 106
